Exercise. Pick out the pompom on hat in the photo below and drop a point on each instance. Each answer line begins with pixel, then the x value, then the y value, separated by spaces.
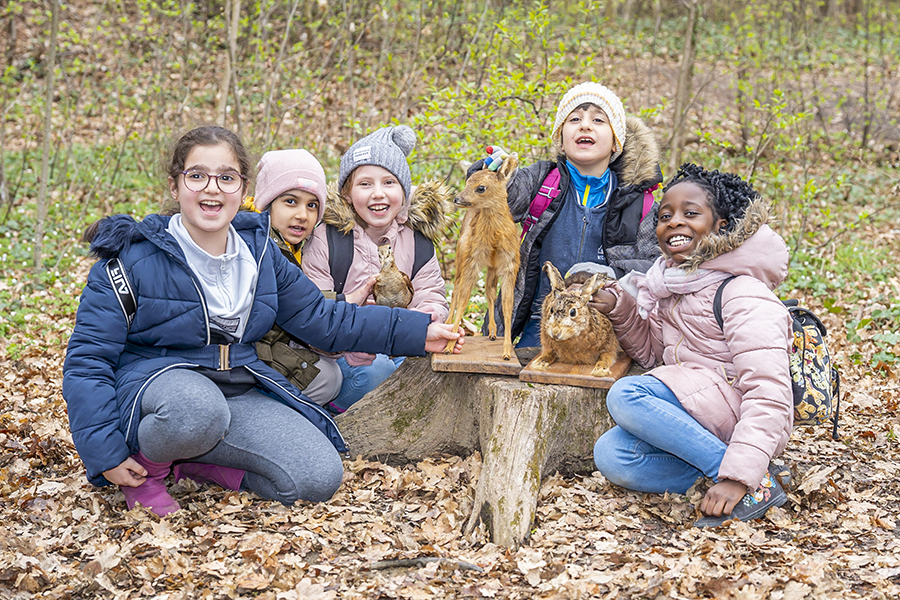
pixel 387 148
pixel 293 169
pixel 601 96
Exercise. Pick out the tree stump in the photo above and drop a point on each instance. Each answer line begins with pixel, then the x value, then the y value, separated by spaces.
pixel 522 430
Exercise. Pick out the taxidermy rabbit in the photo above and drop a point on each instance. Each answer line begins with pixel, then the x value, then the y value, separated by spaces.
pixel 392 286
pixel 571 331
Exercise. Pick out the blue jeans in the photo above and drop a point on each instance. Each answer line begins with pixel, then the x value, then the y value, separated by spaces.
pixel 656 446
pixel 531 334
pixel 359 381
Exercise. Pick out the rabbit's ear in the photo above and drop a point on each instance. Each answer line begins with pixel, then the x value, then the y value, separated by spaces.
pixel 556 280
pixel 592 285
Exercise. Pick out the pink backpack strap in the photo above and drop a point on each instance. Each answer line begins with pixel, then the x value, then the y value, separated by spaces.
pixel 546 193
pixel 648 201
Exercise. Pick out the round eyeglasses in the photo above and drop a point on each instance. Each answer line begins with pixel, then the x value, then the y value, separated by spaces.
pixel 228 182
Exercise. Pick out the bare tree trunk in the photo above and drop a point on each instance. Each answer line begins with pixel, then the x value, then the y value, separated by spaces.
pixel 48 128
pixel 232 21
pixel 683 89
pixel 523 432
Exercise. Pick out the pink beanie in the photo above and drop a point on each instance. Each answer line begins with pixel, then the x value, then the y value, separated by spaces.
pixel 283 170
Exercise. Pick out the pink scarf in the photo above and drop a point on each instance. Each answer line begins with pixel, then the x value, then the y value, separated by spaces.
pixel 663 280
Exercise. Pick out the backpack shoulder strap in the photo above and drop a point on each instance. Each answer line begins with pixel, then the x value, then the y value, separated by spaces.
pixel 548 191
pixel 424 250
pixel 648 201
pixel 122 287
pixel 340 255
pixel 717 302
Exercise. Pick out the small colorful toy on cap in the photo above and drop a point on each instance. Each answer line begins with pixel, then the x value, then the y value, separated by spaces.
pixel 495 158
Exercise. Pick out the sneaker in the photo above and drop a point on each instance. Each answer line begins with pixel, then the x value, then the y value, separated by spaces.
pixel 752 506
pixel 783 475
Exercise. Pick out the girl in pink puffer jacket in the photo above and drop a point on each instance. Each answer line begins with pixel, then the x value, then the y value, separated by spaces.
pixel 717 401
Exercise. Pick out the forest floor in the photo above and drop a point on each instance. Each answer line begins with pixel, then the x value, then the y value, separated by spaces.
pixel 837 537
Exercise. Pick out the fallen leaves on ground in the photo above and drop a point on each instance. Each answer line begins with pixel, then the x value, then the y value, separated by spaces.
pixel 837 537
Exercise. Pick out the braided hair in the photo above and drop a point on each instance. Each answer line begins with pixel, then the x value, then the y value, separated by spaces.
pixel 728 195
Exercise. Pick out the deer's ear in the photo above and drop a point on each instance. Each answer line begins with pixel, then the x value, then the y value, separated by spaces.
pixel 509 166
pixel 556 280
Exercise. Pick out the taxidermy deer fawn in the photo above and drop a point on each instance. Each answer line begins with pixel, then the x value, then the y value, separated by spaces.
pixel 392 286
pixel 573 332
pixel 488 238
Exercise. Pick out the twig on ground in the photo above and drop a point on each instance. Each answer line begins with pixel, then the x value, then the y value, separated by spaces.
pixel 422 561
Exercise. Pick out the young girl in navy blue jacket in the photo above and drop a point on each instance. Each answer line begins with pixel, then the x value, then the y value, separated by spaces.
pixel 161 367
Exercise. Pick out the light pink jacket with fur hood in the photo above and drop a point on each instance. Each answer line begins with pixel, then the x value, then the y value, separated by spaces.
pixel 734 380
pixel 426 211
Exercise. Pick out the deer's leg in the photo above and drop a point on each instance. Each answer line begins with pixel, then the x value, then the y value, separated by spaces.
pixel 490 296
pixel 508 284
pixel 465 281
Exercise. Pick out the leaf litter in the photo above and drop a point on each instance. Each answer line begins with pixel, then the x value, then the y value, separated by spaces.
pixel 396 531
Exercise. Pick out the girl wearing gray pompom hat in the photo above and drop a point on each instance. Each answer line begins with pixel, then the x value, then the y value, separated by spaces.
pixel 376 205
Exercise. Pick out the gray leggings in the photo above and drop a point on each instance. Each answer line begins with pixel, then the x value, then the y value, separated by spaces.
pixel 185 416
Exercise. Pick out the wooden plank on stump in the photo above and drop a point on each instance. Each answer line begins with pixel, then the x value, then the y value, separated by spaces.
pixel 479 355
pixel 577 375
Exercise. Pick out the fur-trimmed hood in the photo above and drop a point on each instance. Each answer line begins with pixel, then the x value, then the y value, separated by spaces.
pixel 427 211
pixel 639 163
pixel 715 244
pixel 750 248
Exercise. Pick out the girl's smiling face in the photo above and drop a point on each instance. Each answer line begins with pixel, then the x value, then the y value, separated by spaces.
pixel 294 214
pixel 208 213
pixel 377 197
pixel 685 218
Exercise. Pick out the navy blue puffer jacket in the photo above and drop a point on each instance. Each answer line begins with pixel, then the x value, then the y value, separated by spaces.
pixel 109 363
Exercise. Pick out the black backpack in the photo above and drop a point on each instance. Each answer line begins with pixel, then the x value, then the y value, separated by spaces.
pixel 815 381
pixel 340 254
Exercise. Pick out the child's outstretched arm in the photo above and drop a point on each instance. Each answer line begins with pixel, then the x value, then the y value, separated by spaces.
pixel 439 334
pixel 640 338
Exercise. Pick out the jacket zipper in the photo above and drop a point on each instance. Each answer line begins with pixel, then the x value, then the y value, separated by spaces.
pixel 581 241
pixel 672 316
pixel 256 285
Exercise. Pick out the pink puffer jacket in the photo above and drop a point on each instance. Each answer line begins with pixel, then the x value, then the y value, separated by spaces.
pixel 425 211
pixel 734 380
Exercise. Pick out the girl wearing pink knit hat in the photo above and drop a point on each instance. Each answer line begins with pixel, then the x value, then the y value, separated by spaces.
pixel 291 188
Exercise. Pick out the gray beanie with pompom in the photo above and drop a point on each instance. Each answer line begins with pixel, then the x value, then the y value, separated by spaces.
pixel 388 148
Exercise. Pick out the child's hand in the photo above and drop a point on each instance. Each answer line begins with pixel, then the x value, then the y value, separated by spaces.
pixel 360 294
pixel 438 335
pixel 495 158
pixel 129 473
pixel 721 498
pixel 603 301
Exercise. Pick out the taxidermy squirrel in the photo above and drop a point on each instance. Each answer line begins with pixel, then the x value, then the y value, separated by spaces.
pixel 392 286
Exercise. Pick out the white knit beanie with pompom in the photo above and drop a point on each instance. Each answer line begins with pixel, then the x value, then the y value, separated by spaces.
pixel 598 95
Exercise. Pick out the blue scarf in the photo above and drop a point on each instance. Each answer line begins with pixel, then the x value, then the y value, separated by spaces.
pixel 592 191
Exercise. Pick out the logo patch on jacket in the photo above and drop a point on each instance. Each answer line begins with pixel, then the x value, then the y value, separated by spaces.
pixel 228 325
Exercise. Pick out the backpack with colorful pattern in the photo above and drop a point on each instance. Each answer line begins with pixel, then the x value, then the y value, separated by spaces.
pixel 815 381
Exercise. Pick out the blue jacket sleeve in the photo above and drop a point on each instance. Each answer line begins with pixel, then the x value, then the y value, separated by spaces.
pixel 89 375
pixel 341 326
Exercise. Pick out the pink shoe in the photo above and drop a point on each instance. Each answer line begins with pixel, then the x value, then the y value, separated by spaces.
pixel 152 494
pixel 227 477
